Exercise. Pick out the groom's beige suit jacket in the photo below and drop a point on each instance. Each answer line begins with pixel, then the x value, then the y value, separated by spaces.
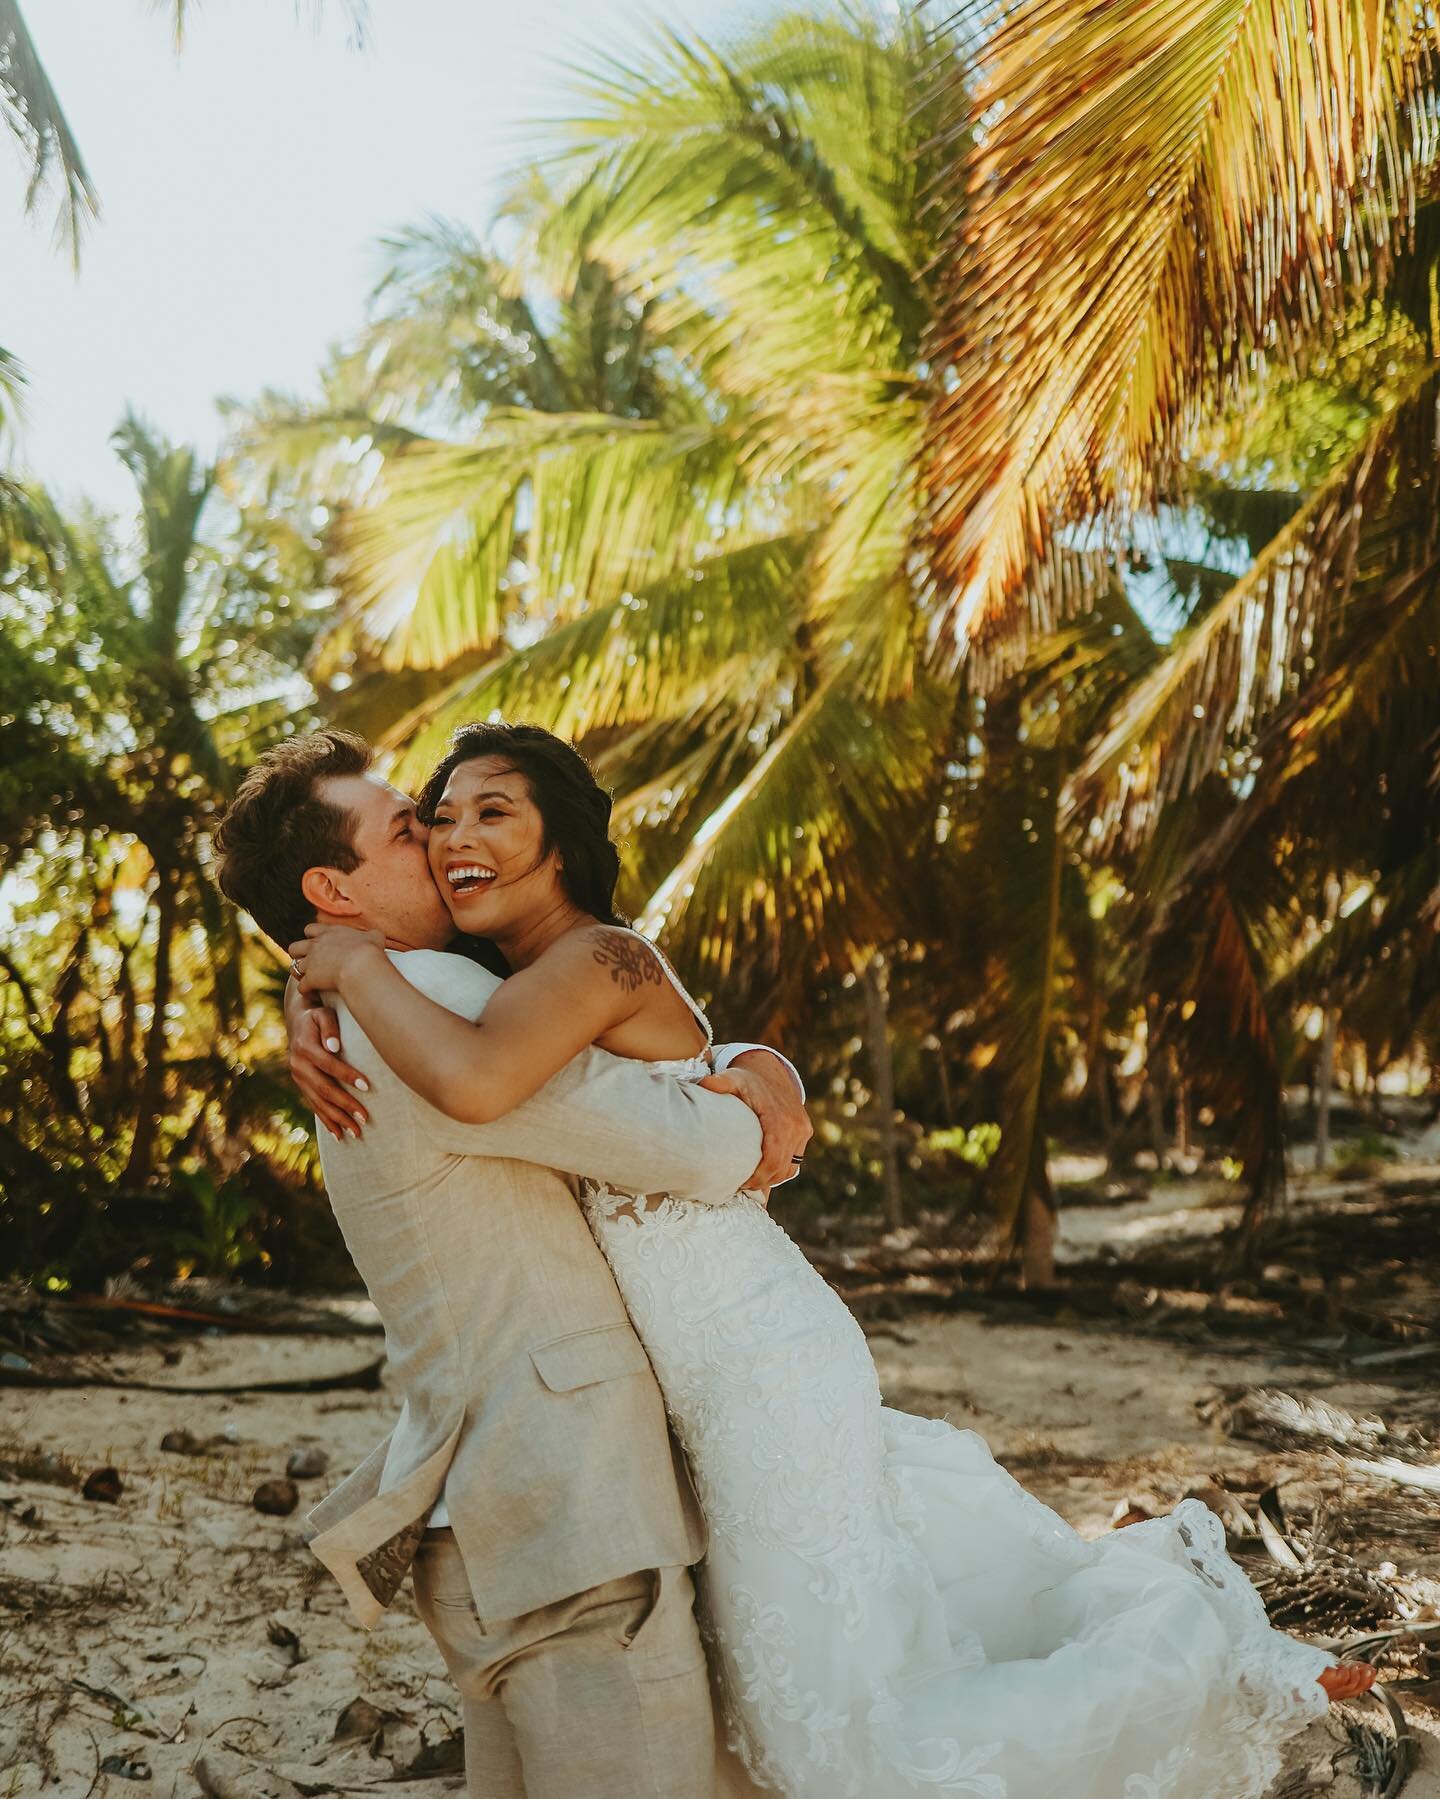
pixel 519 1373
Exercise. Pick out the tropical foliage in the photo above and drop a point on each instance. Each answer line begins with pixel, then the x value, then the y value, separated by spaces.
pixel 1240 302
pixel 652 479
pixel 139 674
pixel 969 486
pixel 654 475
pixel 31 112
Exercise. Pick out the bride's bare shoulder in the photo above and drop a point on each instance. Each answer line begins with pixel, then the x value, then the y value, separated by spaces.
pixel 628 981
pixel 625 957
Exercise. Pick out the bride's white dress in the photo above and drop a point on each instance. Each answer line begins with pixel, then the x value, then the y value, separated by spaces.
pixel 888 1611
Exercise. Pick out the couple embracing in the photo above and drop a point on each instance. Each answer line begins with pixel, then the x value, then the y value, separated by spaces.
pixel 642 1475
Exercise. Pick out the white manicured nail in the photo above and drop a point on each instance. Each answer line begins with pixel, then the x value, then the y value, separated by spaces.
pixel 333 1045
pixel 362 1084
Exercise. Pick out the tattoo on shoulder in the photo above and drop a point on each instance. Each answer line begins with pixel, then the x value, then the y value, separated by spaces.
pixel 630 962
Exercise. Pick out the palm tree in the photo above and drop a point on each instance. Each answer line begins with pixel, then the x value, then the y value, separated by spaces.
pixel 657 486
pixel 666 505
pixel 1120 285
pixel 655 480
pixel 141 676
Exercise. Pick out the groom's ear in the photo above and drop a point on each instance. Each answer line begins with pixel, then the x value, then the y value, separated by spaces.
pixel 324 889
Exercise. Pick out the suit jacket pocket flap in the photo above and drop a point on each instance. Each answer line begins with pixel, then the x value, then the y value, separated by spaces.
pixel 585 1357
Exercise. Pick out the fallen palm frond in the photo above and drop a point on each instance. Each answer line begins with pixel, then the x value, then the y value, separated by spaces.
pixel 1285 1421
pixel 46 1326
pixel 1383 1758
pixel 1313 1584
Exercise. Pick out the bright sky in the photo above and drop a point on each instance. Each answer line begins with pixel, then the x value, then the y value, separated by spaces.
pixel 243 186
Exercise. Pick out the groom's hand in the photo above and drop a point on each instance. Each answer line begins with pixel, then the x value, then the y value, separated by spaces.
pixel 768 1088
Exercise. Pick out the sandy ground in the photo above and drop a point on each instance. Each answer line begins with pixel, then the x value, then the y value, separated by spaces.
pixel 178 1633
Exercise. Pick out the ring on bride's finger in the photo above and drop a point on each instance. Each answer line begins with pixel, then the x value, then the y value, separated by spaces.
pixel 295 968
pixel 797 1158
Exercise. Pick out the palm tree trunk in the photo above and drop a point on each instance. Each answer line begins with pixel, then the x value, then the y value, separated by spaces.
pixel 1324 1086
pixel 1155 1094
pixel 1105 1103
pixel 1096 1085
pixel 1155 1108
pixel 882 1084
pixel 1182 1111
pixel 140 1166
pixel 1038 1221
pixel 1325 1070
pixel 947 1097
pixel 1182 1119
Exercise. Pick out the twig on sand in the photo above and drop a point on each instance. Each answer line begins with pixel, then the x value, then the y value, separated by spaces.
pixel 366 1378
pixel 96 1775
pixel 298 1320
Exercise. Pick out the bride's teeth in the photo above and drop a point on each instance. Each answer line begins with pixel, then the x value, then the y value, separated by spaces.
pixel 470 872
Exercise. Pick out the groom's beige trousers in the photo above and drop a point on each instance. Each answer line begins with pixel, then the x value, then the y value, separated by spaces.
pixel 603 1695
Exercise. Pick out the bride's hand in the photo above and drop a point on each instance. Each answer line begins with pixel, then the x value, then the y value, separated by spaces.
pixel 327 953
pixel 327 1083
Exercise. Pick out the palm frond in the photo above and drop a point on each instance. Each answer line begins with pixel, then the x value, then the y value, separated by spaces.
pixel 785 161
pixel 12 392
pixel 683 649
pixel 1395 922
pixel 610 506
pixel 449 330
pixel 780 860
pixel 1335 785
pixel 1153 193
pixel 173 488
pixel 1353 553
pixel 180 13
pixel 25 532
pixel 31 109
pixel 281 449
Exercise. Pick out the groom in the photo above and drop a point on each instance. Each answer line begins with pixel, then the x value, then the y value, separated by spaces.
pixel 557 1589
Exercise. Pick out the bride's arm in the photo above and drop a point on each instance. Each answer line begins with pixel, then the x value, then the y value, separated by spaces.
pixel 536 1022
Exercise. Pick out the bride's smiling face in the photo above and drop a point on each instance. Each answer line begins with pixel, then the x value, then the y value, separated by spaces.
pixel 487 849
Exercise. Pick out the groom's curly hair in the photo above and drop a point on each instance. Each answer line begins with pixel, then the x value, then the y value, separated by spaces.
pixel 279 824
pixel 574 808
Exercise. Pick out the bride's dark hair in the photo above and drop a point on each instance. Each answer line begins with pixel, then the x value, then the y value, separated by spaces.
pixel 574 808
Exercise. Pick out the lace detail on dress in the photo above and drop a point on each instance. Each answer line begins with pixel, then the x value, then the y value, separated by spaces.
pixel 876 1585
pixel 888 1612
pixel 1276 1689
pixel 1162 1778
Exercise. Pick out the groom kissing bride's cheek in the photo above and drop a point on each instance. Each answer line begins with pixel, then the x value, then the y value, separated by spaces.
pixel 642 1474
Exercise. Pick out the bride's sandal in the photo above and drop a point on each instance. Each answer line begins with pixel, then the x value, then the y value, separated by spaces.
pixel 1348 1680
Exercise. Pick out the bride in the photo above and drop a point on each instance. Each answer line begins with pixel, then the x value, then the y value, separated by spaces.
pixel 888 1612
